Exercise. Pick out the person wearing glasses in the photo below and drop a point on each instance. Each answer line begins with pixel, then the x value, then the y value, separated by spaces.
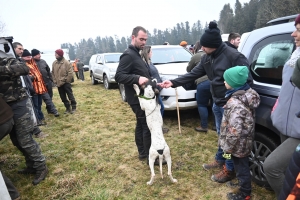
pixel 285 120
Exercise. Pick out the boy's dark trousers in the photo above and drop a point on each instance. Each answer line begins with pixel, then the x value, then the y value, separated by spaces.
pixel 241 166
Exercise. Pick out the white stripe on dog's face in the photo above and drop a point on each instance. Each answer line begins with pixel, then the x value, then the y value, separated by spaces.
pixel 148 92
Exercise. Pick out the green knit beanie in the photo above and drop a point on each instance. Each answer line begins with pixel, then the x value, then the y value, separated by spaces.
pixel 236 76
pixel 296 74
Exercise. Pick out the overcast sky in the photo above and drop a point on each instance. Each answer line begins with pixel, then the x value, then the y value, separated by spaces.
pixel 45 24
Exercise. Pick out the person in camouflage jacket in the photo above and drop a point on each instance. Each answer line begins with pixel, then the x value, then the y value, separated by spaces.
pixel 16 96
pixel 237 127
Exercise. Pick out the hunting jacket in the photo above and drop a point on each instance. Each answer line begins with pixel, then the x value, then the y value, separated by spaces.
pixel 238 123
pixel 11 87
pixel 62 72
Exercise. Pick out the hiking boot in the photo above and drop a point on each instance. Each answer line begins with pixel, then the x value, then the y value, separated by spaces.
pixel 233 184
pixel 41 135
pixel 73 110
pixel 213 165
pixel 27 170
pixel 68 111
pixel 200 129
pixel 40 175
pixel 165 130
pixel 223 176
pixel 238 196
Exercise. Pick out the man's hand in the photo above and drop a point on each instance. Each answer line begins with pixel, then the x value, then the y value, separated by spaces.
pixel 165 84
pixel 142 80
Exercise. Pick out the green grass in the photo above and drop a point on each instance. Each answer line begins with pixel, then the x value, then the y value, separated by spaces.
pixel 92 154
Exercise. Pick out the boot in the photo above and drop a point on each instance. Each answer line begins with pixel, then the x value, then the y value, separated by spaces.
pixel 238 196
pixel 68 110
pixel 213 165
pixel 223 176
pixel 40 175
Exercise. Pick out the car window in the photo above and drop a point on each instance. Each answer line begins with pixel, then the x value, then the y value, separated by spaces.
pixel 268 57
pixel 112 58
pixel 99 59
pixel 170 55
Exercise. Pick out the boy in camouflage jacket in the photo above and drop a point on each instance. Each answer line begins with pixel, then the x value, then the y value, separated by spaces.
pixel 237 127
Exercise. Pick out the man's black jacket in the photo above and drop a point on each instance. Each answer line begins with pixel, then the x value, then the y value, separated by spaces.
pixel 45 71
pixel 214 66
pixel 131 67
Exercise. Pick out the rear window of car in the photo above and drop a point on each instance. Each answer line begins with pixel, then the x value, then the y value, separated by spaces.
pixel 170 55
pixel 268 57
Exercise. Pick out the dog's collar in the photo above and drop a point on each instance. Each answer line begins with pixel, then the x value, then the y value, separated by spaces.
pixel 141 96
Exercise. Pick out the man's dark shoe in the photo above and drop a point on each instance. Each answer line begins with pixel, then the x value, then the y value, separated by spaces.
pixel 73 110
pixel 142 157
pixel 68 111
pixel 223 176
pixel 56 114
pixel 156 162
pixel 200 129
pixel 40 175
pixel 42 122
pixel 233 184
pixel 27 171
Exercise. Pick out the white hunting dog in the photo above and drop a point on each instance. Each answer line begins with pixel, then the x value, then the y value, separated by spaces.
pixel 159 148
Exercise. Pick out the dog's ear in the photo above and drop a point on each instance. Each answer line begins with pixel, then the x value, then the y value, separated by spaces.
pixel 154 80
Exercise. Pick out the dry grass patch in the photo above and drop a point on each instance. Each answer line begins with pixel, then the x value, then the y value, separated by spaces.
pixel 92 155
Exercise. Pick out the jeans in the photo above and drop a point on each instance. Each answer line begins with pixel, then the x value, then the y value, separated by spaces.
pixel 65 90
pixel 277 162
pixel 218 112
pixel 142 132
pixel 37 102
pixel 241 166
pixel 203 95
pixel 49 104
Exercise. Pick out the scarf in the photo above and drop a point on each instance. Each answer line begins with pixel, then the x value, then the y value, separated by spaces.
pixel 230 92
pixel 292 61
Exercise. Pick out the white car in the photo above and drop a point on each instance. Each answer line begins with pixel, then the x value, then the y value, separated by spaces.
pixel 171 62
pixel 103 68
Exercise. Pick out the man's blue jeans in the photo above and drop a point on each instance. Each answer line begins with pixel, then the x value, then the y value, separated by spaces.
pixel 203 95
pixel 218 112
pixel 37 102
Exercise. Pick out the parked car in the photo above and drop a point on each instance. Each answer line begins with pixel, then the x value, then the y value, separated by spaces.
pixel 267 50
pixel 171 62
pixel 103 68
pixel 86 68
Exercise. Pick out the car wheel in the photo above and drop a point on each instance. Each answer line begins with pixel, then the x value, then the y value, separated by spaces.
pixel 262 148
pixel 122 92
pixel 107 85
pixel 94 82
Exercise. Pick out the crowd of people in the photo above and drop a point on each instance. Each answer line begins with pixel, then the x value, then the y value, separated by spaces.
pixel 25 82
pixel 222 76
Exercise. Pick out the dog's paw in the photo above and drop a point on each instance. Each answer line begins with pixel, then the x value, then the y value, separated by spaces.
pixel 136 88
pixel 149 182
pixel 174 180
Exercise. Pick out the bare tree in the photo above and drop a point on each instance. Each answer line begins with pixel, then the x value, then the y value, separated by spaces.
pixel 2 28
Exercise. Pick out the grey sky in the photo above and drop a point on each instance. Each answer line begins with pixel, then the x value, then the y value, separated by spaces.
pixel 45 24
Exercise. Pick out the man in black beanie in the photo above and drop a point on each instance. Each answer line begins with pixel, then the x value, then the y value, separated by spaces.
pixel 47 77
pixel 219 57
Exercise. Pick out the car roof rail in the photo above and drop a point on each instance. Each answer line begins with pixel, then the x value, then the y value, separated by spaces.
pixel 282 20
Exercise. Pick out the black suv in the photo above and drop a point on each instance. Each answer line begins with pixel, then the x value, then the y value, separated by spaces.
pixel 267 50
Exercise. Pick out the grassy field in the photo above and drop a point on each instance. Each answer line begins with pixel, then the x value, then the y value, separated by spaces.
pixel 92 154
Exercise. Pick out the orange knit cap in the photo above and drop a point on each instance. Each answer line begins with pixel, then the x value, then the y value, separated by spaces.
pixel 183 43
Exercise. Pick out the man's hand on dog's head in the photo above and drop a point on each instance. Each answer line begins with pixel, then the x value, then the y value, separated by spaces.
pixel 142 80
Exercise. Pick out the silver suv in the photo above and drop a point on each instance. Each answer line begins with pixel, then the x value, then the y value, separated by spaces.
pixel 267 50
pixel 103 68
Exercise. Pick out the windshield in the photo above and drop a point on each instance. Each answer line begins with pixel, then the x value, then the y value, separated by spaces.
pixel 170 55
pixel 112 58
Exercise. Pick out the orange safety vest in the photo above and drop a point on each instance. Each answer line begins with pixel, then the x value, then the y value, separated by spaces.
pixel 38 82
pixel 75 67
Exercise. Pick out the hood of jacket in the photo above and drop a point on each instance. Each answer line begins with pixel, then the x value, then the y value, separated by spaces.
pixel 249 97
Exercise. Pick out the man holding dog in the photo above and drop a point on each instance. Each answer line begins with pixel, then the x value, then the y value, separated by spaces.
pixel 133 70
pixel 218 58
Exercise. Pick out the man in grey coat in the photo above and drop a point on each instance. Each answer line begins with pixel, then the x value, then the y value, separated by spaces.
pixel 80 69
